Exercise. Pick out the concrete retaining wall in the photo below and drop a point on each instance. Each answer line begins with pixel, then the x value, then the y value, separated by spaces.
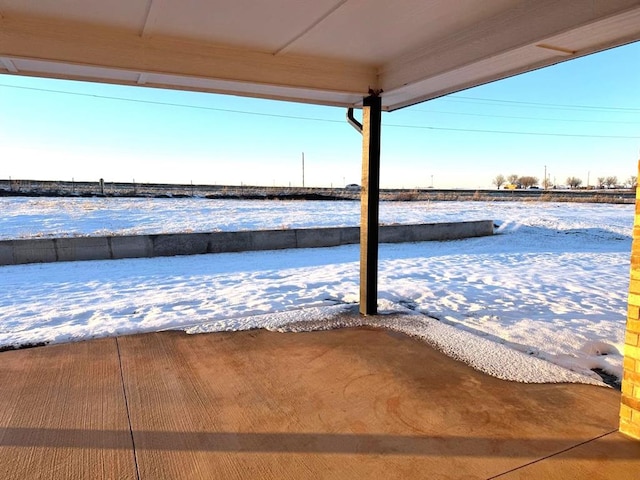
pixel 15 252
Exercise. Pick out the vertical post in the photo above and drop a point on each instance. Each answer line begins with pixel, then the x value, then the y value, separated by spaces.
pixel 369 204
pixel 630 400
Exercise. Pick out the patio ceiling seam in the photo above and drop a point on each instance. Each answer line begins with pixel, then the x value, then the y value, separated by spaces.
pixel 314 24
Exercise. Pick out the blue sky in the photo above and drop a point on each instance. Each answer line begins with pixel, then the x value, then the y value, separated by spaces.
pixel 565 117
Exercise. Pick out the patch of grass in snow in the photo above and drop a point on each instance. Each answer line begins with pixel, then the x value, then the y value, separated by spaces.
pixel 609 379
pixel 7 348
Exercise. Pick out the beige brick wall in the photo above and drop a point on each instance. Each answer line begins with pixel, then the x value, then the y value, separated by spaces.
pixel 630 406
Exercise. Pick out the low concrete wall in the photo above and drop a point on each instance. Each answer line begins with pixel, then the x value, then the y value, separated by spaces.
pixel 15 252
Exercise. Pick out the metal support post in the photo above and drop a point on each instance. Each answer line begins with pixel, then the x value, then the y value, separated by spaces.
pixel 369 204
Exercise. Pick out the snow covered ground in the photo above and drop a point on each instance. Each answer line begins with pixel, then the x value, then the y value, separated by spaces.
pixel 552 285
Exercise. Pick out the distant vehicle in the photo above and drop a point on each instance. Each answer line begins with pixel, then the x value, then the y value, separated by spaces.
pixel 534 187
pixel 354 187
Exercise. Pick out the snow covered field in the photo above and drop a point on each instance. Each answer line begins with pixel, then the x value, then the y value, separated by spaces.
pixel 552 285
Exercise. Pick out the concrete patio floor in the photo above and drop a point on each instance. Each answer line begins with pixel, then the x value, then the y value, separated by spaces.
pixel 350 403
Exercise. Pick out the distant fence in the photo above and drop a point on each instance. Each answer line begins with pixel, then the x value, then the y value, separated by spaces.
pixel 160 190
pixel 132 189
pixel 44 250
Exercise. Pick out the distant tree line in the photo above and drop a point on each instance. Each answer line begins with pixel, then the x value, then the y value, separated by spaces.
pixel 516 181
pixel 612 182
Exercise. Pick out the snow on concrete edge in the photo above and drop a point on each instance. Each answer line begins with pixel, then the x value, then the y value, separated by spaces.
pixel 484 355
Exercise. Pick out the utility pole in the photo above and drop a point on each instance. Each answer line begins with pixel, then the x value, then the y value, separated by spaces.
pixel 544 183
pixel 302 169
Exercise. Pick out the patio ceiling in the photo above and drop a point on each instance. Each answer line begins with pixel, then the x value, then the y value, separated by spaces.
pixel 322 51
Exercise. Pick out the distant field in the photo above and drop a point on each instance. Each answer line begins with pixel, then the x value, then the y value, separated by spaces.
pixel 37 217
pixel 145 190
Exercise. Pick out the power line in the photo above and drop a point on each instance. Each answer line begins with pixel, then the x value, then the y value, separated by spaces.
pixel 537 104
pixel 509 132
pixel 295 117
pixel 487 115
pixel 169 104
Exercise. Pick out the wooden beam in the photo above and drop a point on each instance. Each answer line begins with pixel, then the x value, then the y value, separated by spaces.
pixel 507 44
pixel 369 204
pixel 558 23
pixel 119 50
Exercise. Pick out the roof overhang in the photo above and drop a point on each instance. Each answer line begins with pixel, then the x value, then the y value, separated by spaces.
pixel 330 52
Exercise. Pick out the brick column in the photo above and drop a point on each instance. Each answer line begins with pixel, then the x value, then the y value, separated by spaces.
pixel 630 407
